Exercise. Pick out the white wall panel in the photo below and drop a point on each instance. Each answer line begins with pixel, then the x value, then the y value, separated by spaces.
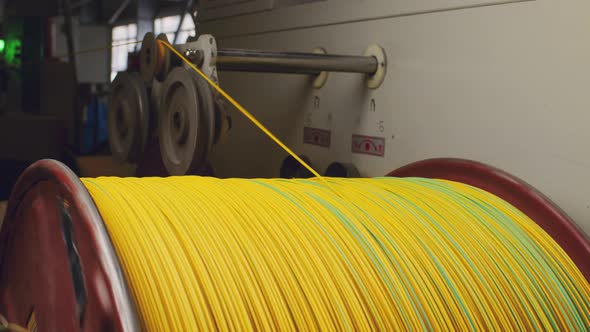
pixel 506 84
pixel 320 13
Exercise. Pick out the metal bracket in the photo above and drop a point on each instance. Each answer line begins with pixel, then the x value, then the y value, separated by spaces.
pixel 375 80
pixel 202 52
pixel 321 79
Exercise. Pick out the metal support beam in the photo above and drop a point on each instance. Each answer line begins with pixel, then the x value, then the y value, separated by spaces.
pixel 194 14
pixel 187 7
pixel 146 13
pixel 119 11
pixel 81 3
pixel 67 7
pixel 292 62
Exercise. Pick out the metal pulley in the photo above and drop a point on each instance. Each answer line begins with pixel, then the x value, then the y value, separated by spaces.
pixel 342 170
pixel 155 94
pixel 187 122
pixel 187 115
pixel 129 120
pixel 155 61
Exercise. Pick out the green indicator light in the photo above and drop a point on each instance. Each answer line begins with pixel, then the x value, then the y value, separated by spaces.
pixel 2 44
pixel 12 51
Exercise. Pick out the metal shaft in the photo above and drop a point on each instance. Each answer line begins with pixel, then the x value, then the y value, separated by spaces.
pixel 292 62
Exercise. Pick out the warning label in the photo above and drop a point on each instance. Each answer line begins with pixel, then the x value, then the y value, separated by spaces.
pixel 374 146
pixel 315 136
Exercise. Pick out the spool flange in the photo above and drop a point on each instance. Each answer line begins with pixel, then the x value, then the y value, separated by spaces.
pixel 57 261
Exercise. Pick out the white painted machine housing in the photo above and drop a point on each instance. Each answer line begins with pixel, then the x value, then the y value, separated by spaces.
pixel 502 82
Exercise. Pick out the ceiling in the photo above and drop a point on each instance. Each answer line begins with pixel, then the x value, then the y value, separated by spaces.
pixel 90 11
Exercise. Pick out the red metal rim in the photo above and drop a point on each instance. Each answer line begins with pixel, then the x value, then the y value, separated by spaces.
pixel 57 259
pixel 514 191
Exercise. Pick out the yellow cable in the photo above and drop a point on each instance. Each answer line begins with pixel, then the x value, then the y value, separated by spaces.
pixel 395 254
pixel 98 49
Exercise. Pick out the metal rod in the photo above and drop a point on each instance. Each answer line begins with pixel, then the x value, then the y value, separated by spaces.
pixel 187 6
pixel 81 3
pixel 119 11
pixel 292 62
pixel 69 33
pixel 67 8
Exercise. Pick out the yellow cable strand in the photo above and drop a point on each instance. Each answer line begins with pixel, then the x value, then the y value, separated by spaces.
pixel 98 49
pixel 82 52
pixel 395 254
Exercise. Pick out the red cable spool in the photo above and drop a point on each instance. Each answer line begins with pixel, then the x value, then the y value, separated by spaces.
pixel 59 268
pixel 515 191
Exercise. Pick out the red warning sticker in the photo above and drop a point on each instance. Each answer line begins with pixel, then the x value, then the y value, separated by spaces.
pixel 315 136
pixel 374 146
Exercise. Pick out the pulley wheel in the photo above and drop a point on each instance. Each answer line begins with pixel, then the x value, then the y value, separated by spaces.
pixel 342 170
pixel 207 108
pixel 184 133
pixel 154 58
pixel 155 93
pixel 128 117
